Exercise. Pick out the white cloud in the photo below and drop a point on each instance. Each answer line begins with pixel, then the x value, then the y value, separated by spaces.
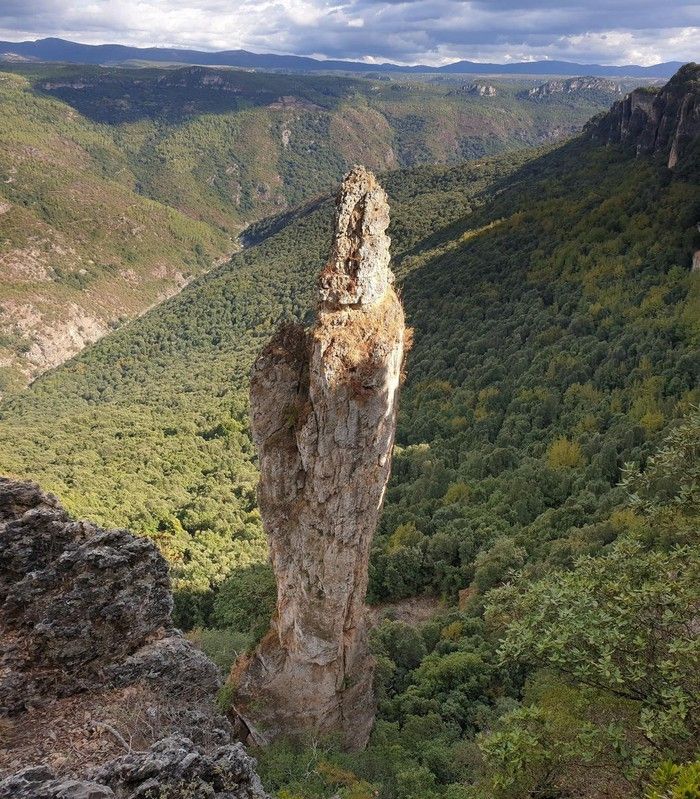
pixel 427 31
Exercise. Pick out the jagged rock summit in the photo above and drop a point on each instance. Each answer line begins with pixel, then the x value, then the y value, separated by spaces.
pixel 665 120
pixel 358 273
pixel 99 695
pixel 323 405
pixel 586 83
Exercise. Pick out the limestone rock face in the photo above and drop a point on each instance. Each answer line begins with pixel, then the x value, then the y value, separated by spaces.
pixel 323 407
pixel 665 120
pixel 573 86
pixel 358 273
pixel 91 666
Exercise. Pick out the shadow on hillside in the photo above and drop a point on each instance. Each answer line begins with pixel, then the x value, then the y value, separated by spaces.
pixel 491 204
pixel 119 96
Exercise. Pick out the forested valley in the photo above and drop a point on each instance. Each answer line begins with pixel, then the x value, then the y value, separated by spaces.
pixel 119 185
pixel 544 493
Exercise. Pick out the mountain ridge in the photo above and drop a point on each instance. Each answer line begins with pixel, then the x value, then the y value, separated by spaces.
pixel 170 164
pixel 56 49
pixel 552 300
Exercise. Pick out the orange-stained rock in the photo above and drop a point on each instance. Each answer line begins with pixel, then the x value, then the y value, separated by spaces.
pixel 323 406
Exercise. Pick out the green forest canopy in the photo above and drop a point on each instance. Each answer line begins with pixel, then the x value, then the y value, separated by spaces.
pixel 556 340
pixel 168 166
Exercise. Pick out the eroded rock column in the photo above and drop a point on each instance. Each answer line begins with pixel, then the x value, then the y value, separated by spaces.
pixel 323 405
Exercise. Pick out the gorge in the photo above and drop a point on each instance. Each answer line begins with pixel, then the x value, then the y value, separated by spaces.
pixel 542 501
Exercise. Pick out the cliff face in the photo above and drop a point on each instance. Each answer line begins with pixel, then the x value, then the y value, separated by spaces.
pixel 323 412
pixel 95 683
pixel 80 606
pixel 652 121
pixel 574 85
pixel 478 89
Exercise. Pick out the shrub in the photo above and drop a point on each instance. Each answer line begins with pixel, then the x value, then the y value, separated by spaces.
pixel 246 600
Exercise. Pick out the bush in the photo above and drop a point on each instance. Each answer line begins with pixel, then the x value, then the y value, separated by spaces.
pixel 246 600
pixel 676 782
pixel 222 646
pixel 494 564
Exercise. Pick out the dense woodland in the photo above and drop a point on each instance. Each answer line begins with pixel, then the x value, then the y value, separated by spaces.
pixel 118 185
pixel 545 481
pixel 227 146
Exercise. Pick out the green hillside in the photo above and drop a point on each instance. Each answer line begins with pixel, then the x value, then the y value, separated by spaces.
pixel 164 399
pixel 230 145
pixel 80 249
pixel 117 186
pixel 556 341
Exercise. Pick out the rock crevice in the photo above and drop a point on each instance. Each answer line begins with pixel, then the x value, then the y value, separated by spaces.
pixel 323 405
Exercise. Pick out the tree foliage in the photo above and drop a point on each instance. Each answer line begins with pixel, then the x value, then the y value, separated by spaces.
pixel 552 301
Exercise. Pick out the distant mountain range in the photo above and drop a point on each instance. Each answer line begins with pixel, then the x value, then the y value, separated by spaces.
pixel 53 49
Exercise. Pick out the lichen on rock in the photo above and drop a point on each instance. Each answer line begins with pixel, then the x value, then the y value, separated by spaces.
pixel 99 695
pixel 323 405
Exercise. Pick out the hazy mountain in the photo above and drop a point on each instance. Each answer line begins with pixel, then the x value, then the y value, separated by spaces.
pixel 53 49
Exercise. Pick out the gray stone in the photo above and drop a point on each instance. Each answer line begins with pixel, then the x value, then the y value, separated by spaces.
pixel 74 599
pixel 85 613
pixel 323 408
pixel 39 782
pixel 175 767
pixel 573 86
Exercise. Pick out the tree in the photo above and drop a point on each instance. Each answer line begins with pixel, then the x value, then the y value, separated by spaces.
pixel 494 564
pixel 564 454
pixel 624 623
pixel 246 600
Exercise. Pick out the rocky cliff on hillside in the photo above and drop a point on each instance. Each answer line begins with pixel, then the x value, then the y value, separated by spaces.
pixel 477 89
pixel 663 120
pixel 323 408
pixel 97 688
pixel 574 85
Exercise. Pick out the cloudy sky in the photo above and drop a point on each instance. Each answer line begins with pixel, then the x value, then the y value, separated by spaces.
pixel 405 31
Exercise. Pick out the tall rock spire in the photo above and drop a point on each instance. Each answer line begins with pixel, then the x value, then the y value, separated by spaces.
pixel 323 407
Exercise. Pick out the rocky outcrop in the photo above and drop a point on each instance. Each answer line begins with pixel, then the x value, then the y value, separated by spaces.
pixel 585 84
pixel 663 120
pixel 479 89
pixel 174 768
pixel 323 407
pixel 91 666
pixel 77 601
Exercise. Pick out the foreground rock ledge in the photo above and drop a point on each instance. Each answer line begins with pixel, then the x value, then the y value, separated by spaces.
pixel 323 408
pixel 100 697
